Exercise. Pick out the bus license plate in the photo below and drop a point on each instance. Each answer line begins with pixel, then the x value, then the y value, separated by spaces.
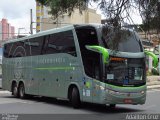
pixel 128 101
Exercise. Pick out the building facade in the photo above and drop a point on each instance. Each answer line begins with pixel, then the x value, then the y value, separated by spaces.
pixel 0 31
pixel 6 30
pixel 45 21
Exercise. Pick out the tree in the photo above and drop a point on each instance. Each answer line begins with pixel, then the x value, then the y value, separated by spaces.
pixel 115 10
pixel 59 7
pixel 150 14
pixel 112 9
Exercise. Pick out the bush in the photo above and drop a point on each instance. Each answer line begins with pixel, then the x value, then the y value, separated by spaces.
pixel 154 71
pixel 149 73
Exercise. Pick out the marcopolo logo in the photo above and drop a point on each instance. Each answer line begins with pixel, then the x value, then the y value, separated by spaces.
pixel 143 117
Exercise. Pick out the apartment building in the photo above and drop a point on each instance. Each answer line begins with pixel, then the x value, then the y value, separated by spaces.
pixel 6 30
pixel 45 21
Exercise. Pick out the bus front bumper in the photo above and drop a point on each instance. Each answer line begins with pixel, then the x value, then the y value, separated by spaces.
pixel 116 97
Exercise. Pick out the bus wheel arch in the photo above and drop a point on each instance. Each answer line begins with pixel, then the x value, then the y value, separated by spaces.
pixel 21 90
pixel 112 106
pixel 14 89
pixel 74 96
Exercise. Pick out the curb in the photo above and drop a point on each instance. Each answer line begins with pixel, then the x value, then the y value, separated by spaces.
pixel 153 87
pixel 153 82
pixel 153 78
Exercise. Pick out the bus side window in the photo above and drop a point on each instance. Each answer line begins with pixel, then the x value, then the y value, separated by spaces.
pixel 16 49
pixel 6 50
pixel 36 45
pixel 62 42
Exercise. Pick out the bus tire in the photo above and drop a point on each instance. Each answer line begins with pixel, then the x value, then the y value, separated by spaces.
pixel 21 91
pixel 15 90
pixel 75 98
pixel 112 105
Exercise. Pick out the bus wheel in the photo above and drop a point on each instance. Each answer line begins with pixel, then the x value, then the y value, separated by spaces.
pixel 75 98
pixel 112 105
pixel 21 91
pixel 15 90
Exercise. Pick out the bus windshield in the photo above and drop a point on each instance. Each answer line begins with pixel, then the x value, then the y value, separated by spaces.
pixel 123 71
pixel 121 40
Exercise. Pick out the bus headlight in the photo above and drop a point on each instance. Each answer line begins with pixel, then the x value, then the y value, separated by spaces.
pixel 102 88
pixel 142 92
pixel 123 93
pixel 113 92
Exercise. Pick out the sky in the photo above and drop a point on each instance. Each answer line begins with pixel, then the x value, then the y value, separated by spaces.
pixel 135 16
pixel 18 13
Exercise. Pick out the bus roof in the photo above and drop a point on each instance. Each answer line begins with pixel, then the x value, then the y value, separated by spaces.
pixel 60 29
pixel 51 31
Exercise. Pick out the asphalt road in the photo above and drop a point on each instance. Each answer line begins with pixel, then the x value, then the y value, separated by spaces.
pixel 47 108
pixel 0 82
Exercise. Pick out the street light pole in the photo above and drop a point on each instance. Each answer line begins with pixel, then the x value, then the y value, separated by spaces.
pixel 19 30
pixel 158 31
pixel 31 24
pixel 142 30
pixel 158 10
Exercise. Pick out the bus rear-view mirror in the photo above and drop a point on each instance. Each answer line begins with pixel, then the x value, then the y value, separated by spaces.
pixel 154 57
pixel 101 50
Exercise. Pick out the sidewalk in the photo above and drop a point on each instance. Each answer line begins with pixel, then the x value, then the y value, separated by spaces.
pixel 153 82
pixel 0 82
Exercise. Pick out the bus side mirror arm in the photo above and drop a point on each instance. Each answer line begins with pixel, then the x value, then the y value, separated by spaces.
pixel 155 58
pixel 101 50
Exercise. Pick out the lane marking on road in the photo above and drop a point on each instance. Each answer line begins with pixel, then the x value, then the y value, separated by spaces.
pixel 15 100
pixel 7 92
pixel 7 102
pixel 150 106
pixel 154 90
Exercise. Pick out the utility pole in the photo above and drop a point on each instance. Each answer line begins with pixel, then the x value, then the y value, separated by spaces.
pixel 8 31
pixel 158 10
pixel 158 31
pixel 31 23
pixel 19 31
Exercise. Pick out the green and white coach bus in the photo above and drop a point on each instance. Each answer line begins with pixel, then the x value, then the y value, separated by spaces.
pixel 81 63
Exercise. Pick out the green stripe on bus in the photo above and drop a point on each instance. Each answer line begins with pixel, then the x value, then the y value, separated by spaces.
pixel 100 49
pixel 121 87
pixel 56 68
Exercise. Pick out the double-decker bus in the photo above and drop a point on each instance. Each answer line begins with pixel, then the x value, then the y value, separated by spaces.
pixel 81 63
